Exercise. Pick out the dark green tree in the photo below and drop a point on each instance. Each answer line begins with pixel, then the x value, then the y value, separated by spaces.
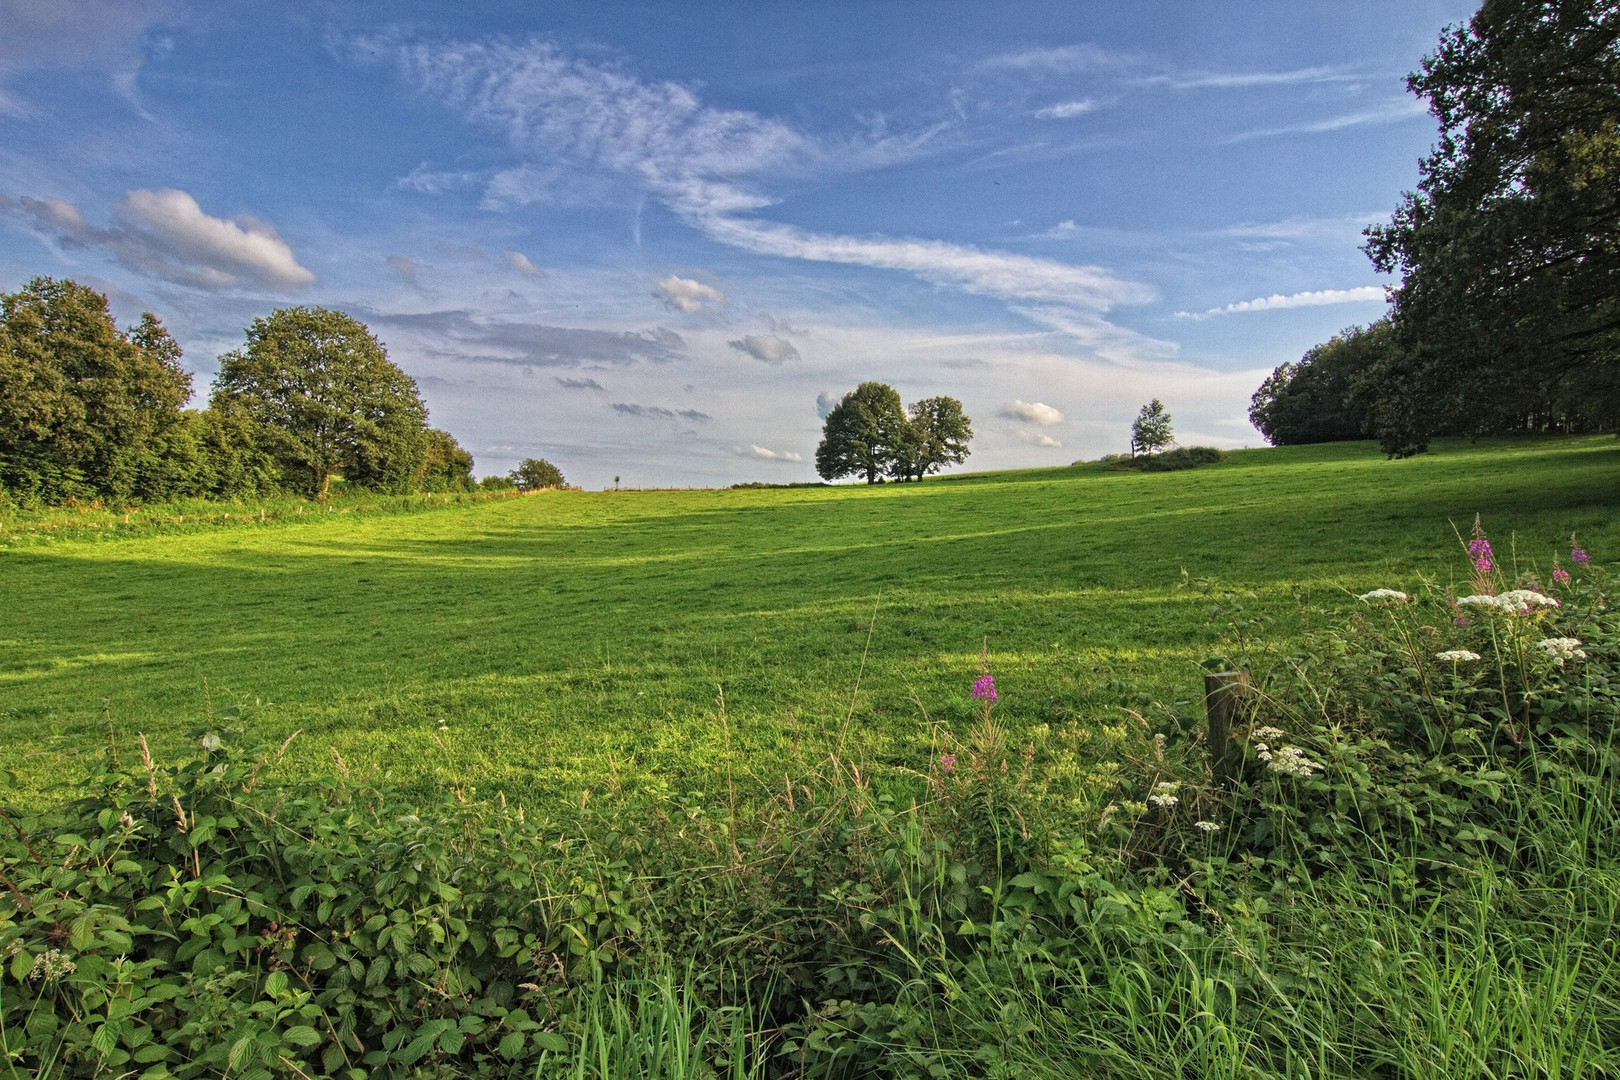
pixel 533 474
pixel 864 434
pixel 1508 311
pixel 331 402
pixel 1323 396
pixel 936 435
pixel 445 465
pixel 84 407
pixel 1151 429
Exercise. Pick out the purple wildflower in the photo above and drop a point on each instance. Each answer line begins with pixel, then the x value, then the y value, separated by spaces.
pixel 1479 549
pixel 1459 621
pixel 1560 575
pixel 985 688
pixel 1576 552
pixel 947 762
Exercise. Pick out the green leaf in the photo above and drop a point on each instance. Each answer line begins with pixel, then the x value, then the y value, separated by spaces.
pixel 512 1045
pixel 550 1040
pixel 275 984
pixel 303 1035
pixel 105 1040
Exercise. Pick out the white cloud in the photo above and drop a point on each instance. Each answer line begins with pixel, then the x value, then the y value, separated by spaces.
pixel 1319 298
pixel 1066 110
pixel 1243 79
pixel 165 233
pixel 1033 411
pixel 1391 113
pixel 428 181
pixel 766 348
pixel 688 296
pixel 772 455
pixel 520 262
pixel 1038 438
pixel 1061 59
pixel 704 164
pixel 404 267
pixel 826 402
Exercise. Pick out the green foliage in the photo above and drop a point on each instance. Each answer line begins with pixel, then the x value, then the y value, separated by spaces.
pixel 496 483
pixel 324 391
pixel 1324 396
pixel 1182 457
pixel 86 410
pixel 535 474
pixel 1508 312
pixel 937 435
pixel 445 465
pixel 864 434
pixel 1150 430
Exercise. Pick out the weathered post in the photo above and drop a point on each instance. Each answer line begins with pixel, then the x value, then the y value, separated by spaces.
pixel 1225 693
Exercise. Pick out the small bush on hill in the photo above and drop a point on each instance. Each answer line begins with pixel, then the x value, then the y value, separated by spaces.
pixel 1182 457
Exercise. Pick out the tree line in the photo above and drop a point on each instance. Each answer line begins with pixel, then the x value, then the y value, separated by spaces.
pixel 92 411
pixel 1507 315
pixel 869 433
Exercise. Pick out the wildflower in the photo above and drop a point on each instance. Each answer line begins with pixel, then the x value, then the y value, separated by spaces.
pixel 1208 826
pixel 1479 549
pixel 985 688
pixel 51 966
pixel 1525 601
pixel 1479 601
pixel 1164 795
pixel 1291 761
pixel 1459 621
pixel 1560 649
pixel 1384 594
pixel 1457 656
pixel 1269 733
pixel 1577 554
pixel 947 762
pixel 1560 575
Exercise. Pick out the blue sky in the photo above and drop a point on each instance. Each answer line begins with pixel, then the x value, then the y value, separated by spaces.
pixel 655 240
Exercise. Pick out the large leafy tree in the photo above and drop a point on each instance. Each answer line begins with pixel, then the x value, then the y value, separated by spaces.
pixel 937 434
pixel 864 434
pixel 84 407
pixel 322 388
pixel 1508 312
pixel 1322 397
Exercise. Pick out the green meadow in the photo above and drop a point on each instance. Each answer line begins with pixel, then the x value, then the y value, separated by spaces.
pixel 544 645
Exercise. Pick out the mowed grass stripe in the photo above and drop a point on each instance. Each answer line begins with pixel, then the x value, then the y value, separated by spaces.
pixel 564 637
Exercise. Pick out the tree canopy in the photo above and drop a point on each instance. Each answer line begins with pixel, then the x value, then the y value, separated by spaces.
pixel 936 434
pixel 335 404
pixel 1508 311
pixel 864 434
pixel 86 406
pixel 533 474
pixel 1323 396
pixel 1150 430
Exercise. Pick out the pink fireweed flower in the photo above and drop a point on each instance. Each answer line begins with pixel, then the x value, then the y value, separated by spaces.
pixel 1479 549
pixel 1577 553
pixel 947 762
pixel 1560 575
pixel 1483 564
pixel 985 688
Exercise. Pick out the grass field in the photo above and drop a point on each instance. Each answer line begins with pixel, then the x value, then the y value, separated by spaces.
pixel 543 644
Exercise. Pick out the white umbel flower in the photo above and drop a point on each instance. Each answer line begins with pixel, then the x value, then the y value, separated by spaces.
pixel 1562 648
pixel 1457 656
pixel 1384 594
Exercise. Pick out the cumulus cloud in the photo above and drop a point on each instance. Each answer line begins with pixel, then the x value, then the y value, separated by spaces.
pixel 1066 110
pixel 1039 438
pixel 1318 298
pixel 166 234
pixel 766 348
pixel 518 261
pixel 772 455
pixel 658 412
pixel 578 384
pixel 1033 411
pixel 687 296
pixel 826 401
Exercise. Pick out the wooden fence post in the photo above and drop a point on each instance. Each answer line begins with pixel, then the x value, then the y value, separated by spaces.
pixel 1225 693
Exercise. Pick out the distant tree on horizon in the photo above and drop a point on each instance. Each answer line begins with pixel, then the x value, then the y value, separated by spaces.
pixel 863 434
pixel 533 474
pixel 1151 429
pixel 937 434
pixel 1323 396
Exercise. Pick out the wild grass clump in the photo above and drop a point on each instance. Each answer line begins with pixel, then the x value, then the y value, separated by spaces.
pixel 1414 871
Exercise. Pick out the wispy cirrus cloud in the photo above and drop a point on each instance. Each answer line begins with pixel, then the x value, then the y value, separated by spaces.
pixel 164 233
pixel 1393 112
pixel 710 166
pixel 658 412
pixel 1066 110
pixel 466 335
pixel 1276 301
